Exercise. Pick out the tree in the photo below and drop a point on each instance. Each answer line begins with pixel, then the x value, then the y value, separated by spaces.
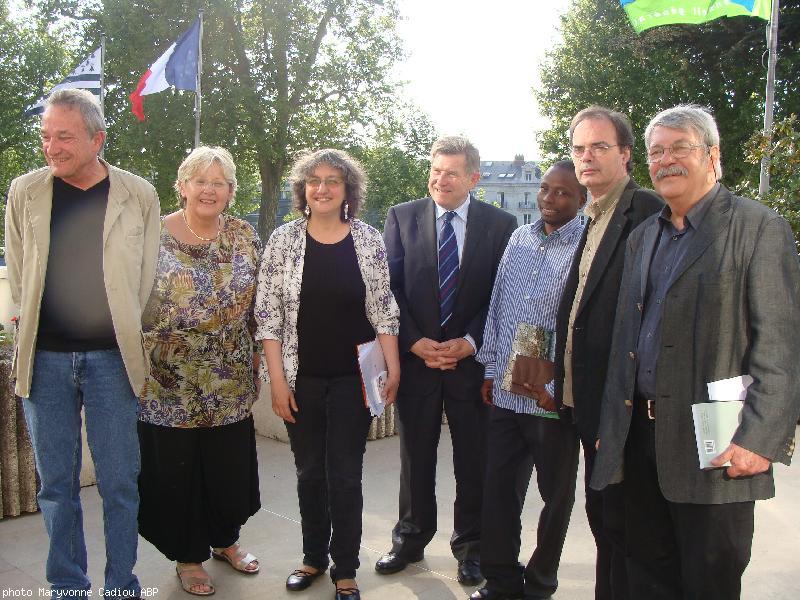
pixel 31 60
pixel 600 60
pixel 783 149
pixel 278 76
pixel 397 164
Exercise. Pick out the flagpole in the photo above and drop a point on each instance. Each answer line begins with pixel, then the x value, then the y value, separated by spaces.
pixel 772 28
pixel 198 94
pixel 103 84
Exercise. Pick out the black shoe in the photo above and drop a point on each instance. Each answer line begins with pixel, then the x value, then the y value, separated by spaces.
pixel 394 563
pixel 300 580
pixel 469 572
pixel 487 594
pixel 348 594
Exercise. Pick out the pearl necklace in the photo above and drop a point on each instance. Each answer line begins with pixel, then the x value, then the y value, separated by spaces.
pixel 199 237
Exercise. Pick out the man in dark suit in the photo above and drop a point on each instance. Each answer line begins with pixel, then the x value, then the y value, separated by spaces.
pixel 709 292
pixel 443 255
pixel 602 142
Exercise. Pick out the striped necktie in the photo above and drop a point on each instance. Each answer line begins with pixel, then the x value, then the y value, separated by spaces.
pixel 448 268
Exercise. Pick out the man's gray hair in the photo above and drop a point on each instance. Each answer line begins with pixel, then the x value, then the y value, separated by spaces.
pixel 83 101
pixel 458 144
pixel 691 118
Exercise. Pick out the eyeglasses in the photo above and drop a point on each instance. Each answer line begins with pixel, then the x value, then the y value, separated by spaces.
pixel 315 182
pixel 597 149
pixel 677 150
pixel 216 186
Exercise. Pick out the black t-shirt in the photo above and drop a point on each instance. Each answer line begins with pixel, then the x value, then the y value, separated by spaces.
pixel 332 317
pixel 74 315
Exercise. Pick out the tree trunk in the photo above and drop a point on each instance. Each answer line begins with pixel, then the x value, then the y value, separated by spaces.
pixel 270 193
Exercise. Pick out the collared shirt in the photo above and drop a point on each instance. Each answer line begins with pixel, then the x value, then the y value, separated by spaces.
pixel 670 247
pixel 599 211
pixel 459 224
pixel 530 280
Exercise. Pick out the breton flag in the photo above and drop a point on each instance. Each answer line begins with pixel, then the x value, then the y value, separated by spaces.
pixel 86 75
pixel 645 14
pixel 177 67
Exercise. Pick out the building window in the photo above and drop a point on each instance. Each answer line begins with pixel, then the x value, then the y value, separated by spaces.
pixel 527 197
pixel 501 199
pixel 527 175
pixel 526 219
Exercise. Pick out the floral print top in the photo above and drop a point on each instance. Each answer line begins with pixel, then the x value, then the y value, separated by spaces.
pixel 281 275
pixel 197 330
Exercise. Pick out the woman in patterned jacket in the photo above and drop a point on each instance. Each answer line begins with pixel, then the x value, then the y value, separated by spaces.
pixel 199 478
pixel 323 288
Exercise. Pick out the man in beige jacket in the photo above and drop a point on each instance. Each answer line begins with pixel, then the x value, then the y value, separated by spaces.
pixel 81 247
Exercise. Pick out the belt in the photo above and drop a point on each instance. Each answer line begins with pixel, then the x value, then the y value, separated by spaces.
pixel 648 407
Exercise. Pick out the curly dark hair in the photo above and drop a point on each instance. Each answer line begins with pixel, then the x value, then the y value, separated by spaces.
pixel 355 179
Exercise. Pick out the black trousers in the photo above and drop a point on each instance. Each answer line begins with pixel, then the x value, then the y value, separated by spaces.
pixel 605 511
pixel 328 441
pixel 552 444
pixel 679 551
pixel 420 424
pixel 197 487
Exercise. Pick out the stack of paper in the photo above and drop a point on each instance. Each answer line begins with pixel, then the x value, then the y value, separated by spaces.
pixel 715 422
pixel 373 375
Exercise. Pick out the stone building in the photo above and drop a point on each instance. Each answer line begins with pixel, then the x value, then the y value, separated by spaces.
pixel 511 185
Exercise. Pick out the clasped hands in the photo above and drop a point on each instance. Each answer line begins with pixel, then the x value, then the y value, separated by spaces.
pixel 442 355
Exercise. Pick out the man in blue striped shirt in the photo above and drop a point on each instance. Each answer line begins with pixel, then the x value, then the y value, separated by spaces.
pixel 524 427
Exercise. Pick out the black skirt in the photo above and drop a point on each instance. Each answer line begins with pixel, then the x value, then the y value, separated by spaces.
pixel 197 487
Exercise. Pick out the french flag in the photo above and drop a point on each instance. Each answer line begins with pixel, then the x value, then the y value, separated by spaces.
pixel 176 67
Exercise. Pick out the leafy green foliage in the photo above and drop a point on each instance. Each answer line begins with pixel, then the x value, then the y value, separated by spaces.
pixel 397 163
pixel 600 60
pixel 783 150
pixel 31 60
pixel 278 76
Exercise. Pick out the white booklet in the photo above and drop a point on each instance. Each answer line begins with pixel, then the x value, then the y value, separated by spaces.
pixel 715 422
pixel 373 375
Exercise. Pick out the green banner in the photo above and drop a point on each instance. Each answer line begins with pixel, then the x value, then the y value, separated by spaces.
pixel 645 14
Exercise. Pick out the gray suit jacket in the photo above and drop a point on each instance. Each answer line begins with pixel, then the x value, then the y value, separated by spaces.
pixel 731 310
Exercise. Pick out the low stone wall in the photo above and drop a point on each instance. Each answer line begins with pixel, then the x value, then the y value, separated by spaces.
pixel 17 469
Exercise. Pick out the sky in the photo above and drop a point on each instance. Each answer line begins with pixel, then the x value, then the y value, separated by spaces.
pixel 472 66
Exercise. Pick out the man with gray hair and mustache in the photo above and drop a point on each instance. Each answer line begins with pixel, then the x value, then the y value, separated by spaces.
pixel 709 292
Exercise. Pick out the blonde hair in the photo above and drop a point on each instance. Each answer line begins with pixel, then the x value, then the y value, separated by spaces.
pixel 200 159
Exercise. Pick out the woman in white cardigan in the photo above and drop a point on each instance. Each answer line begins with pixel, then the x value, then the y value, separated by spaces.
pixel 324 288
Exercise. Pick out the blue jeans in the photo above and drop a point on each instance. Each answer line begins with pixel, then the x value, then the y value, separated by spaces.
pixel 62 383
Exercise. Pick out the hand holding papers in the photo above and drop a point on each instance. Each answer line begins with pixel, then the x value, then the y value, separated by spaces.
pixel 373 376
pixel 715 422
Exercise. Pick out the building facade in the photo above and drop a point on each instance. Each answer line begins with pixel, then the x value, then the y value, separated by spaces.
pixel 511 185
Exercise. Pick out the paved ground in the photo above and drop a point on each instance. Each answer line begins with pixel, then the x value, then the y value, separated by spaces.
pixel 274 536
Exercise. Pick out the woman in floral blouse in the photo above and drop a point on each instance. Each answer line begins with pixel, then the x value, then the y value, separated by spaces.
pixel 199 476
pixel 323 288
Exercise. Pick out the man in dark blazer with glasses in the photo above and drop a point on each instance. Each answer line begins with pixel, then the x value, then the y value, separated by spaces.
pixel 602 148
